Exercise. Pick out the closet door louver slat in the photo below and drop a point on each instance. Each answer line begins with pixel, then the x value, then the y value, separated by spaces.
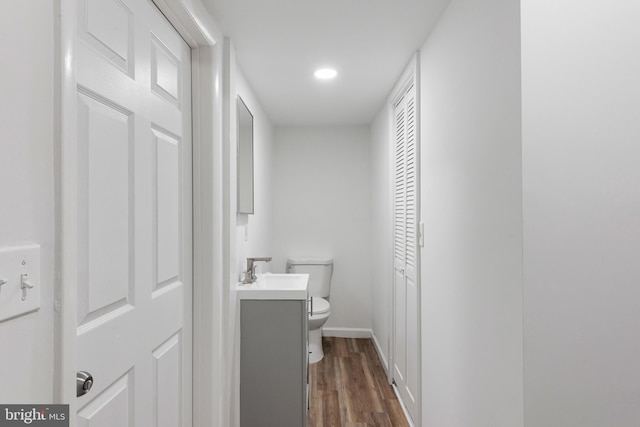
pixel 410 185
pixel 399 185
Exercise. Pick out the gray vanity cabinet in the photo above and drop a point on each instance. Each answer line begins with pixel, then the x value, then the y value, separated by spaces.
pixel 273 363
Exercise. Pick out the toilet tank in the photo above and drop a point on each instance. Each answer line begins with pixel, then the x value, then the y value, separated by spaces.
pixel 319 271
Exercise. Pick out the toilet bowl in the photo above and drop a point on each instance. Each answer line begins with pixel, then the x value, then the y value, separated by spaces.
pixel 319 311
pixel 319 308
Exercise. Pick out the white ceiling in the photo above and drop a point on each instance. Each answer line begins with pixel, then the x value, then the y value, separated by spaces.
pixel 280 43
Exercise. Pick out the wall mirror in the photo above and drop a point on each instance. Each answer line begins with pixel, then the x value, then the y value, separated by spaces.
pixel 245 158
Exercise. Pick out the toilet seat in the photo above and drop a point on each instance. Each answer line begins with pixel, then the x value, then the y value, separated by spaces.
pixel 320 306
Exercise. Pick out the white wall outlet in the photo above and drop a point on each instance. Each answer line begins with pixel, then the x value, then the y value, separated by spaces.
pixel 20 278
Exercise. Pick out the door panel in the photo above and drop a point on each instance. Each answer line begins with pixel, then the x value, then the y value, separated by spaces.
pixel 107 26
pixel 134 210
pixel 412 381
pixel 167 209
pixel 406 367
pixel 165 73
pixel 104 191
pixel 400 333
pixel 167 364
pixel 112 407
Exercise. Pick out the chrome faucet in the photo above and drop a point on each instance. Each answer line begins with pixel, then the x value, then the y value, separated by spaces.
pixel 250 274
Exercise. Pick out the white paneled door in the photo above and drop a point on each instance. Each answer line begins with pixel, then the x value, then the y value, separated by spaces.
pixel 134 233
pixel 405 249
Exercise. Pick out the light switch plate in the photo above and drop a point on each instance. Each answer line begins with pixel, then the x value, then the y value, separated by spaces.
pixel 14 262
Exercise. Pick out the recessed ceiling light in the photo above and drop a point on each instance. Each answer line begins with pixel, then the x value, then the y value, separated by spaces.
pixel 325 73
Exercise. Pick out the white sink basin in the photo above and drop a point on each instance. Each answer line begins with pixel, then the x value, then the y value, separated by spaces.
pixel 275 286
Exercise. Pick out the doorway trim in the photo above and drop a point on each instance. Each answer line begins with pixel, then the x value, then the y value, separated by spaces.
pixel 194 24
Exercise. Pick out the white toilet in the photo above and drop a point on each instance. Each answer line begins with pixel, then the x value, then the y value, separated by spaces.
pixel 319 271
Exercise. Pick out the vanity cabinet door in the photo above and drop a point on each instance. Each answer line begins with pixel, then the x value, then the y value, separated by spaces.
pixel 273 363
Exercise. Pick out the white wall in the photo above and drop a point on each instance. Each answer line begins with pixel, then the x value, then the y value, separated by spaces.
pixel 321 206
pixel 471 206
pixel 581 151
pixel 27 188
pixel 381 237
pixel 253 233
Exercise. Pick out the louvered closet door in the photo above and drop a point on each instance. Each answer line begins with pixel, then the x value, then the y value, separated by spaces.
pixel 406 351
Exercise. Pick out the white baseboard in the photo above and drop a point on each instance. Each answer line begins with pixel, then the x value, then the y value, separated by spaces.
pixel 347 332
pixel 381 355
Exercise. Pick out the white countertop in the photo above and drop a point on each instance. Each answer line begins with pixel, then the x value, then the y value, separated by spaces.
pixel 275 287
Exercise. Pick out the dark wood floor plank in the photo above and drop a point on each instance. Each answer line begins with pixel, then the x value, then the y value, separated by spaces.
pixel 339 347
pixel 369 390
pixel 379 419
pixel 396 414
pixel 348 388
pixel 352 345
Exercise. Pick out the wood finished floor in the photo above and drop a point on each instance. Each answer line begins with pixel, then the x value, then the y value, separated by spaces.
pixel 348 387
